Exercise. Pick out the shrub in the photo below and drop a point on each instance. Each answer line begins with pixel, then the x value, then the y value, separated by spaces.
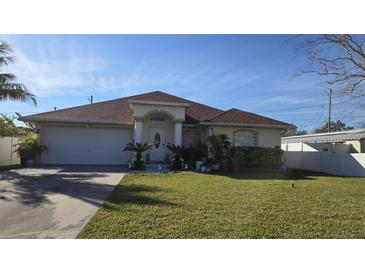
pixel 139 148
pixel 253 157
pixel 219 146
pixel 177 151
pixel 29 148
pixel 194 153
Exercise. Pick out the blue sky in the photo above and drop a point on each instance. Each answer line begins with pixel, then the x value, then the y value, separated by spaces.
pixel 250 72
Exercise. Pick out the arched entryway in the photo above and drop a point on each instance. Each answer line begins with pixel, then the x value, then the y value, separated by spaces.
pixel 158 130
pixel 158 123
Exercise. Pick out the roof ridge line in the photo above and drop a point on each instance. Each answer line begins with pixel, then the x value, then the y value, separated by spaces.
pixel 187 100
pixel 80 106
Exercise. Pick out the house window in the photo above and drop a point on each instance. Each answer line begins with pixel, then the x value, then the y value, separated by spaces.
pixel 245 138
pixel 191 139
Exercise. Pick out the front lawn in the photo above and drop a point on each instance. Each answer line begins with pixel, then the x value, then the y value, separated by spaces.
pixel 237 205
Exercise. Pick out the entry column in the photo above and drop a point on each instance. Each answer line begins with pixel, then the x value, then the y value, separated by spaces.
pixel 178 133
pixel 138 130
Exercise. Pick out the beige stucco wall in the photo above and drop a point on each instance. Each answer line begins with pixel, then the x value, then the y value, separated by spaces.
pixel 265 137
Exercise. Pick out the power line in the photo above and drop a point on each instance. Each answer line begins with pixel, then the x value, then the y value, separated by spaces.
pixel 303 107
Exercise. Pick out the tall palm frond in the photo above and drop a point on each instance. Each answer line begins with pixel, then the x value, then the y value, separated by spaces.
pixel 6 78
pixel 8 89
pixel 5 50
pixel 174 149
pixel 16 92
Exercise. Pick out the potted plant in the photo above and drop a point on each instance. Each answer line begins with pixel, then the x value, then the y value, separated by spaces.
pixel 218 146
pixel 29 148
pixel 176 150
pixel 139 148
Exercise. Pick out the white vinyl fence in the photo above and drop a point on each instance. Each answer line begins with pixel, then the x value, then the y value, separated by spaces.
pixel 351 164
pixel 7 155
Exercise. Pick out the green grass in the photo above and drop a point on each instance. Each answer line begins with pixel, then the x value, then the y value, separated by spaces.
pixel 238 205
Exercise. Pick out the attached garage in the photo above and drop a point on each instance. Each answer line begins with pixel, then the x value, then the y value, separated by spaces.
pixel 85 145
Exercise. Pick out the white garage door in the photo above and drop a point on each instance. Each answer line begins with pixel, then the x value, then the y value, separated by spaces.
pixel 81 145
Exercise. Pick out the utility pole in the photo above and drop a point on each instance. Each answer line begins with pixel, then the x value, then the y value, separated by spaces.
pixel 329 109
pixel 91 99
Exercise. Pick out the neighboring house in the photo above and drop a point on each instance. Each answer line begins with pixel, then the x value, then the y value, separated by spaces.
pixel 349 141
pixel 97 133
pixel 338 153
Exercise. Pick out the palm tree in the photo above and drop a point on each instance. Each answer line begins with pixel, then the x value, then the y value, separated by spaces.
pixel 139 148
pixel 8 89
pixel 177 151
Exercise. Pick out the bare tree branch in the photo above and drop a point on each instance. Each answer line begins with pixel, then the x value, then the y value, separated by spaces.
pixel 339 59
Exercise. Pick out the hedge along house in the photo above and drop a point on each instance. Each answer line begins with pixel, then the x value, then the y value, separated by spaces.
pixel 97 133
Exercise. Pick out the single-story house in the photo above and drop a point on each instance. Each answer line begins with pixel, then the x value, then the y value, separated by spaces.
pixel 349 141
pixel 97 133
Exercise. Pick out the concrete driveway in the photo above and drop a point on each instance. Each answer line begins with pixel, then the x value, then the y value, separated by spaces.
pixel 53 202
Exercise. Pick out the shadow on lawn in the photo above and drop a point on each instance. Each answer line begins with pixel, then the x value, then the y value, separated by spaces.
pixel 134 194
pixel 271 175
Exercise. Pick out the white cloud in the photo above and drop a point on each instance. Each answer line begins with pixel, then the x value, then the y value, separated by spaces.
pixel 78 73
pixel 52 76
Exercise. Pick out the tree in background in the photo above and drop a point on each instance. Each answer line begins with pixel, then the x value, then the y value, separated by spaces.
pixel 334 126
pixel 339 59
pixel 9 90
pixel 295 133
pixel 8 127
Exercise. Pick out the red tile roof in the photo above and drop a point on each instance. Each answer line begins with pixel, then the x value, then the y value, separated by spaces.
pixel 118 111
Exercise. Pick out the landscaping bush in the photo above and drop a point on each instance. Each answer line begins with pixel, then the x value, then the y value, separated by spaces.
pixel 219 146
pixel 253 157
pixel 193 154
pixel 177 151
pixel 29 148
pixel 138 148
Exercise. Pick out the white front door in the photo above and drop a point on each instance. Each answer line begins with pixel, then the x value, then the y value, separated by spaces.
pixel 157 140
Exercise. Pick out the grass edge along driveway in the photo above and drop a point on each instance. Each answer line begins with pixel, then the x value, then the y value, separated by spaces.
pixel 236 205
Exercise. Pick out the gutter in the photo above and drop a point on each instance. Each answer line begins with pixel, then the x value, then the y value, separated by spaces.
pixel 326 134
pixel 248 125
pixel 85 122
